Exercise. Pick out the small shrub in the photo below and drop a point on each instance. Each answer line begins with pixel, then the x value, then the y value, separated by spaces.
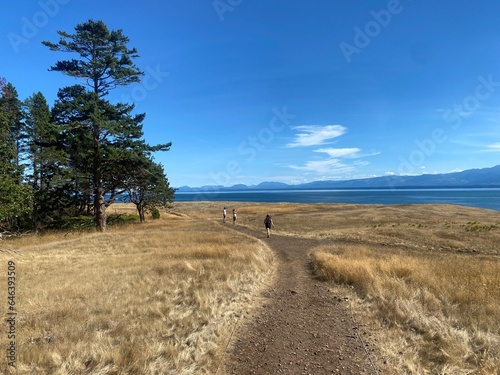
pixel 155 213
pixel 114 219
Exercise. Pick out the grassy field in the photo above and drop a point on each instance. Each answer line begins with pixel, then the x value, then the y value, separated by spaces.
pixel 424 280
pixel 163 297
pixel 159 298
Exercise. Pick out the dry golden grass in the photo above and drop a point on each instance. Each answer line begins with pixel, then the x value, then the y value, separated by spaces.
pixel 437 314
pixel 427 277
pixel 162 298
pixel 159 298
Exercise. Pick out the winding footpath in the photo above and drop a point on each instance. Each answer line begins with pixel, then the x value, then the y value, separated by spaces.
pixel 300 327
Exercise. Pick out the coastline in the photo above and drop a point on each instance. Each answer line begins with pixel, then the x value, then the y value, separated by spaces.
pixel 488 198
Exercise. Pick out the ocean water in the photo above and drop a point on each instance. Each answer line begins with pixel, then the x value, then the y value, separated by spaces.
pixel 484 198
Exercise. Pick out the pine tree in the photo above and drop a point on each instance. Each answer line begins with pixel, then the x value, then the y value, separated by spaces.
pixel 147 185
pixel 72 115
pixel 48 172
pixel 15 196
pixel 13 110
pixel 105 62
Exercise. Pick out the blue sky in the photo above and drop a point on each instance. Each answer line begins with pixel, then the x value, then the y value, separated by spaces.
pixel 290 90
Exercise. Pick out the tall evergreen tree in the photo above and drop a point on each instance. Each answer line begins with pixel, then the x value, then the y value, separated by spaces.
pixel 13 110
pixel 8 153
pixel 72 114
pixel 105 62
pixel 15 196
pixel 48 172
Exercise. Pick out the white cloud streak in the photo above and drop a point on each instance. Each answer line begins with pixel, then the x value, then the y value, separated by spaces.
pixel 325 167
pixel 314 135
pixel 494 147
pixel 340 152
pixel 334 164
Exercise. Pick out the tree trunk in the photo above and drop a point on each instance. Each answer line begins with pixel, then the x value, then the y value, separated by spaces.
pixel 140 210
pixel 100 212
pixel 99 203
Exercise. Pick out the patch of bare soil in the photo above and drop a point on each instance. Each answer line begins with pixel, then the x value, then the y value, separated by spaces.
pixel 301 326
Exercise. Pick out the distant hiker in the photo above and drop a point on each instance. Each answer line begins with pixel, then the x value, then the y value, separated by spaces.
pixel 234 216
pixel 268 222
pixel 224 213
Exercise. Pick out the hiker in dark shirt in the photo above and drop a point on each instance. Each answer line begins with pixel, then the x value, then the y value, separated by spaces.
pixel 268 222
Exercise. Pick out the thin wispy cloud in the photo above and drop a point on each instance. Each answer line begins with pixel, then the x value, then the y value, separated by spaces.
pixel 327 167
pixel 335 164
pixel 494 147
pixel 314 135
pixel 340 152
pixel 479 146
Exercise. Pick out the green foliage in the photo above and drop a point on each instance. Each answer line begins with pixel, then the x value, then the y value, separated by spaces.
pixel 15 201
pixel 147 186
pixel 155 213
pixel 49 176
pixel 105 61
pixel 8 146
pixel 11 107
pixel 117 219
pixel 72 223
pixel 15 196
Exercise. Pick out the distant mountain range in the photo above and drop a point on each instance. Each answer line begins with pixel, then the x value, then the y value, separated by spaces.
pixel 471 178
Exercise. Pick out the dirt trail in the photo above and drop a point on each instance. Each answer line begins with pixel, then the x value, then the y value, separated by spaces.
pixel 300 327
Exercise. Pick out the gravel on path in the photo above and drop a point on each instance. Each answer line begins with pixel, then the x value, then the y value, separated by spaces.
pixel 301 325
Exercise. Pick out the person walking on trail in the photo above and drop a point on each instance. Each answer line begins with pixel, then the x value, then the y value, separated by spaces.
pixel 224 213
pixel 234 216
pixel 268 222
